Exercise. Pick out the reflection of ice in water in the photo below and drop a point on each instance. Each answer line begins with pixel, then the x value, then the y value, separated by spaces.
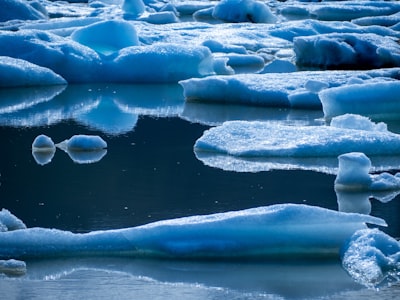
pixel 82 149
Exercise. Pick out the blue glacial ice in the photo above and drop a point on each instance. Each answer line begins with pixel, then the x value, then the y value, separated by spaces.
pixel 265 139
pixel 283 230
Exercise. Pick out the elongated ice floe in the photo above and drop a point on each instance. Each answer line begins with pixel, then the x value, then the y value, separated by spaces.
pixel 264 139
pixel 277 230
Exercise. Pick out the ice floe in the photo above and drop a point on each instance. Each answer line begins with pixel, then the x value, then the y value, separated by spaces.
pixel 287 229
pixel 263 139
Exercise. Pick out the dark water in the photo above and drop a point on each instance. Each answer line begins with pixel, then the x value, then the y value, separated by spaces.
pixel 150 172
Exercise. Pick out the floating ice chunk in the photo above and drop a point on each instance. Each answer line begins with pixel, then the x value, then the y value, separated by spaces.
pixel 160 63
pixel 264 139
pixel 84 149
pixel 20 10
pixel 376 99
pixel 97 36
pixel 354 174
pixel 83 142
pixel 12 267
pixel 284 230
pixel 17 72
pixel 243 11
pixel 43 149
pixel 9 222
pixel 71 60
pixel 372 258
pixel 133 8
pixel 347 50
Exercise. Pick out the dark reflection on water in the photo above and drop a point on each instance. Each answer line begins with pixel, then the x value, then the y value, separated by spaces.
pixel 148 174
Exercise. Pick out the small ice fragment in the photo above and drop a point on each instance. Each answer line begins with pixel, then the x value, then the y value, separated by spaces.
pixel 43 143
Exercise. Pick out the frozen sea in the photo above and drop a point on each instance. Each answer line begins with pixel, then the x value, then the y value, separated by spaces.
pixel 150 169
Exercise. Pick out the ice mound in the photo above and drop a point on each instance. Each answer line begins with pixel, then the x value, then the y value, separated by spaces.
pixel 20 10
pixel 243 11
pixel 372 258
pixel 18 72
pixel 97 36
pixel 283 230
pixel 9 222
pixel 265 139
pixel 345 50
pixel 83 142
pixel 375 99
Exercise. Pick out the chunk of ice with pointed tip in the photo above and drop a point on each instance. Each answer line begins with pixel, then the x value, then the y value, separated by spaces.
pixel 82 142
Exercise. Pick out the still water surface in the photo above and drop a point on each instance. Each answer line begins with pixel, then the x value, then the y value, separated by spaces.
pixel 150 172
